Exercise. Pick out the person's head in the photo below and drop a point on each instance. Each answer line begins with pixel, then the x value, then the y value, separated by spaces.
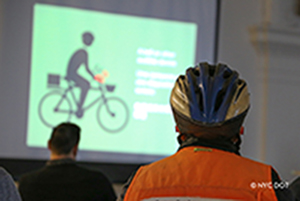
pixel 87 38
pixel 210 102
pixel 64 140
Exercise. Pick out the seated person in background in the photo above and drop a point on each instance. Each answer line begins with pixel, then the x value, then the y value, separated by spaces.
pixel 209 104
pixel 8 189
pixel 62 178
pixel 295 188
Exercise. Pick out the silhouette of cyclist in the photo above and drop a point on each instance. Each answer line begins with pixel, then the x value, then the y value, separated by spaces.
pixel 79 58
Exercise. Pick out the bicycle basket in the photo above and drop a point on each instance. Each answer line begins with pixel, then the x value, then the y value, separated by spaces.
pixel 53 80
pixel 110 88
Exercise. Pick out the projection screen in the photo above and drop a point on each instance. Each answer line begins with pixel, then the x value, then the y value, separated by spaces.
pixel 51 51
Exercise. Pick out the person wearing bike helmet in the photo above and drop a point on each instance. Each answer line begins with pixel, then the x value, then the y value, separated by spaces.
pixel 209 104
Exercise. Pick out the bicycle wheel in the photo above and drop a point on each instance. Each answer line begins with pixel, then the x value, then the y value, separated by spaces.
pixel 112 114
pixel 54 109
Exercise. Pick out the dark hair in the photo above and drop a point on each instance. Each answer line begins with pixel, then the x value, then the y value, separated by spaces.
pixel 64 137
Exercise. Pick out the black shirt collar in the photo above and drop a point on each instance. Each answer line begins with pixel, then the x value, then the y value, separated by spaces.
pixel 60 162
pixel 225 145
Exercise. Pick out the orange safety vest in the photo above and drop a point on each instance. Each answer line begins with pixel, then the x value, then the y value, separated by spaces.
pixel 200 173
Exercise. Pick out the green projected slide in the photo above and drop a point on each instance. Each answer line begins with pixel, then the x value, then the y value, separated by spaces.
pixel 136 61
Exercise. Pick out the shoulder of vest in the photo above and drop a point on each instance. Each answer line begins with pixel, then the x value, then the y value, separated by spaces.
pixel 216 153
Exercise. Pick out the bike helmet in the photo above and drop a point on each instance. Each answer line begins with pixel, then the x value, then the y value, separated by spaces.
pixel 209 99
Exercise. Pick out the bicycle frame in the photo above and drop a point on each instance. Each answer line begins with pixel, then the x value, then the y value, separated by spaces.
pixel 70 89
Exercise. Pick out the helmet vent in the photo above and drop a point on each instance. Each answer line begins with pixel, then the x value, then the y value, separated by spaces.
pixel 200 101
pixel 227 74
pixel 219 100
pixel 211 71
pixel 240 90
pixel 197 72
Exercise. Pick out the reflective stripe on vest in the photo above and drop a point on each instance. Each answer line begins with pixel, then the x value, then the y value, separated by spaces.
pixel 201 173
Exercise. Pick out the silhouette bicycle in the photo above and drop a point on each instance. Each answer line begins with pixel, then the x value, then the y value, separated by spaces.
pixel 56 106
